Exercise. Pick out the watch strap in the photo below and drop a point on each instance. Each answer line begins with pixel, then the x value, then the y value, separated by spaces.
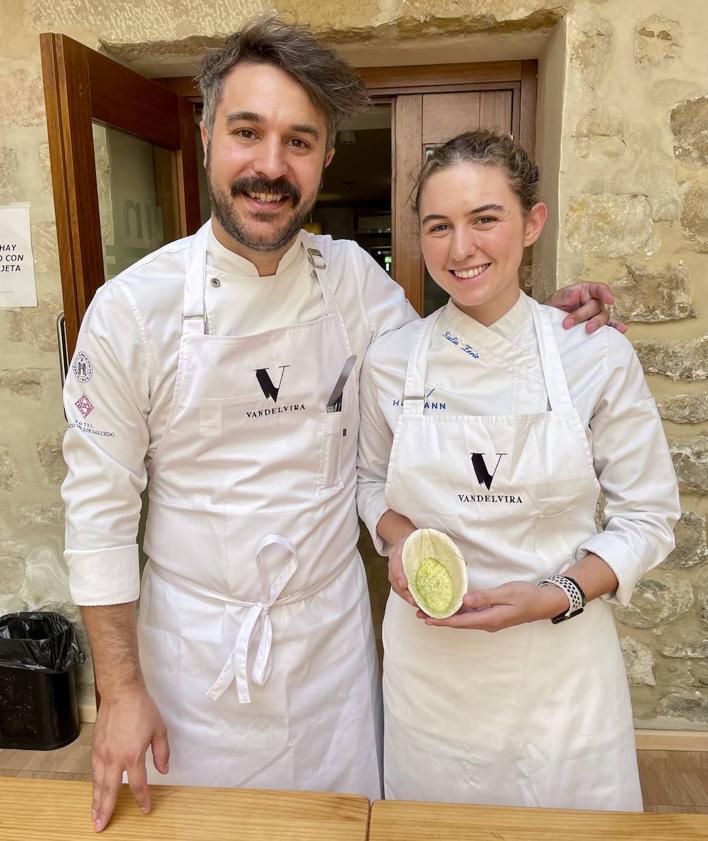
pixel 574 592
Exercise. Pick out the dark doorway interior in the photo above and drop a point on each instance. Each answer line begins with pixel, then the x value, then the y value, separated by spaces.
pixel 355 199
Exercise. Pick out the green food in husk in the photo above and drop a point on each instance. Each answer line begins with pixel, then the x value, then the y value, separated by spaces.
pixel 436 572
pixel 434 584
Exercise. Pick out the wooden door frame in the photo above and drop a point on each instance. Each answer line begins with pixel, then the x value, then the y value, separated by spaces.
pixel 403 88
pixel 82 86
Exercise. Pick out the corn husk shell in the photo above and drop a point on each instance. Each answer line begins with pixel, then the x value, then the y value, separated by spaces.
pixel 430 543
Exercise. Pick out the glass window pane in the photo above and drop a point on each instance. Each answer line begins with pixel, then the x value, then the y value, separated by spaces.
pixel 137 197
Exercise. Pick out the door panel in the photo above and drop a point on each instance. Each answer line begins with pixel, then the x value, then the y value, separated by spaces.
pixel 495 111
pixel 448 114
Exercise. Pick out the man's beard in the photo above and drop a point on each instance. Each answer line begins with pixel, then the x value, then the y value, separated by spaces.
pixel 222 207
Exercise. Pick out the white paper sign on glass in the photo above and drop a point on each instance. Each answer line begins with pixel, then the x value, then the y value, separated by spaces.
pixel 17 283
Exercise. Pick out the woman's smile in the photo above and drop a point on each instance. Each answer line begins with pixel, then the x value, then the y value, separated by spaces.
pixel 473 272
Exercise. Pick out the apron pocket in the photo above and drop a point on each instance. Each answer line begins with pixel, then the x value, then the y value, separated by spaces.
pixel 331 434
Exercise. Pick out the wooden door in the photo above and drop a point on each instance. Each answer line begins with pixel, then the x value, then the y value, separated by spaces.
pixel 83 90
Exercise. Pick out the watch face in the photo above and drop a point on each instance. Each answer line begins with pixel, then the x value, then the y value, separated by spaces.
pixel 567 615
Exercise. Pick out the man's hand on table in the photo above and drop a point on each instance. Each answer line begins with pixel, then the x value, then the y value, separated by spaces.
pixel 126 725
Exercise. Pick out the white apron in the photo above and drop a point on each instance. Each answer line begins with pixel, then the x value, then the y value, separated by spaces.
pixel 255 630
pixel 534 715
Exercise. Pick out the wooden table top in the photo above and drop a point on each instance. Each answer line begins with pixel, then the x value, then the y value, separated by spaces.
pixel 394 820
pixel 56 810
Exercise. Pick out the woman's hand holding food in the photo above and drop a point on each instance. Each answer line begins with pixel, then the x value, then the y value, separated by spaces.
pixel 520 601
pixel 502 607
pixel 396 574
pixel 395 529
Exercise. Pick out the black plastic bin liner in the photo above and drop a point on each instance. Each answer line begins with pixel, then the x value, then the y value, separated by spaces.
pixel 38 703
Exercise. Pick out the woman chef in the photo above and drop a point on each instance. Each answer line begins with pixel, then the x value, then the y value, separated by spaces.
pixel 490 423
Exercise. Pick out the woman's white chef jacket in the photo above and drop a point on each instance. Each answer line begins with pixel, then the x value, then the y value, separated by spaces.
pixel 607 387
pixel 254 628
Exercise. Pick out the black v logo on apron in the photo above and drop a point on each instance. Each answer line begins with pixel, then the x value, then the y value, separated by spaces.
pixel 266 384
pixel 484 477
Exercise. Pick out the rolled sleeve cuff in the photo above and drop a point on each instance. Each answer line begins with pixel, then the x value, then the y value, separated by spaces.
pixel 104 576
pixel 371 512
pixel 623 561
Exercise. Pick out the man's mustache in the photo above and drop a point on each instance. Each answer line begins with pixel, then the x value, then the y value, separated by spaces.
pixel 256 184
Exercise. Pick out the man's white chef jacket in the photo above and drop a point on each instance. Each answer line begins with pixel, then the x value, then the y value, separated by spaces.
pixel 120 384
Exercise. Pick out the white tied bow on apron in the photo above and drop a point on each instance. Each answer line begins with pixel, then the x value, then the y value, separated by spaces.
pixel 257 621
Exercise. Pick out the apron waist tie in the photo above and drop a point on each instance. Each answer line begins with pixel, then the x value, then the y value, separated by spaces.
pixel 257 623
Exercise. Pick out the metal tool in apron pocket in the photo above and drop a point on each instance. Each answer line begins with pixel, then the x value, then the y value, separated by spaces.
pixel 333 431
pixel 334 404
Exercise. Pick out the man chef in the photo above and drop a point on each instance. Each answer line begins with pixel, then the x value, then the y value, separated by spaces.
pixel 223 369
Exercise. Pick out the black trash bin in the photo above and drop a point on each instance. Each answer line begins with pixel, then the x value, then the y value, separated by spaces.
pixel 38 704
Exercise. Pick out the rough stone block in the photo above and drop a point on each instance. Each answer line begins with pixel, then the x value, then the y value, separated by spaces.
pixel 11 604
pixel 639 662
pixel 25 382
pixel 689 124
pixel 680 359
pixel 9 474
pixel 600 134
pixel 694 216
pixel 608 225
pixel 673 674
pixel 10 176
pixel 12 572
pixel 685 408
pixel 644 702
pixel 41 515
pixel 21 97
pixel 50 457
pixel 148 20
pixel 646 295
pixel 688 705
pixel 44 247
pixel 697 650
pixel 660 598
pixel 690 458
pixel 592 51
pixel 657 41
pixel 699 672
pixel 37 326
pixel 46 581
pixel 690 534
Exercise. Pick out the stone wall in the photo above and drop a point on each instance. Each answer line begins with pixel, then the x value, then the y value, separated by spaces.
pixel 634 206
pixel 630 198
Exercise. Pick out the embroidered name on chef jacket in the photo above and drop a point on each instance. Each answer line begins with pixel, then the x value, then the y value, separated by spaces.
pixel 271 391
pixel 485 477
pixel 428 404
pixel 463 346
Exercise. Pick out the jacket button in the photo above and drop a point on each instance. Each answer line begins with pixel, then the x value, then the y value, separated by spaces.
pixel 215 282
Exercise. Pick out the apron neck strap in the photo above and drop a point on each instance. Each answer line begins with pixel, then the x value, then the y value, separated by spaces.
pixel 553 374
pixel 318 270
pixel 194 309
pixel 414 389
